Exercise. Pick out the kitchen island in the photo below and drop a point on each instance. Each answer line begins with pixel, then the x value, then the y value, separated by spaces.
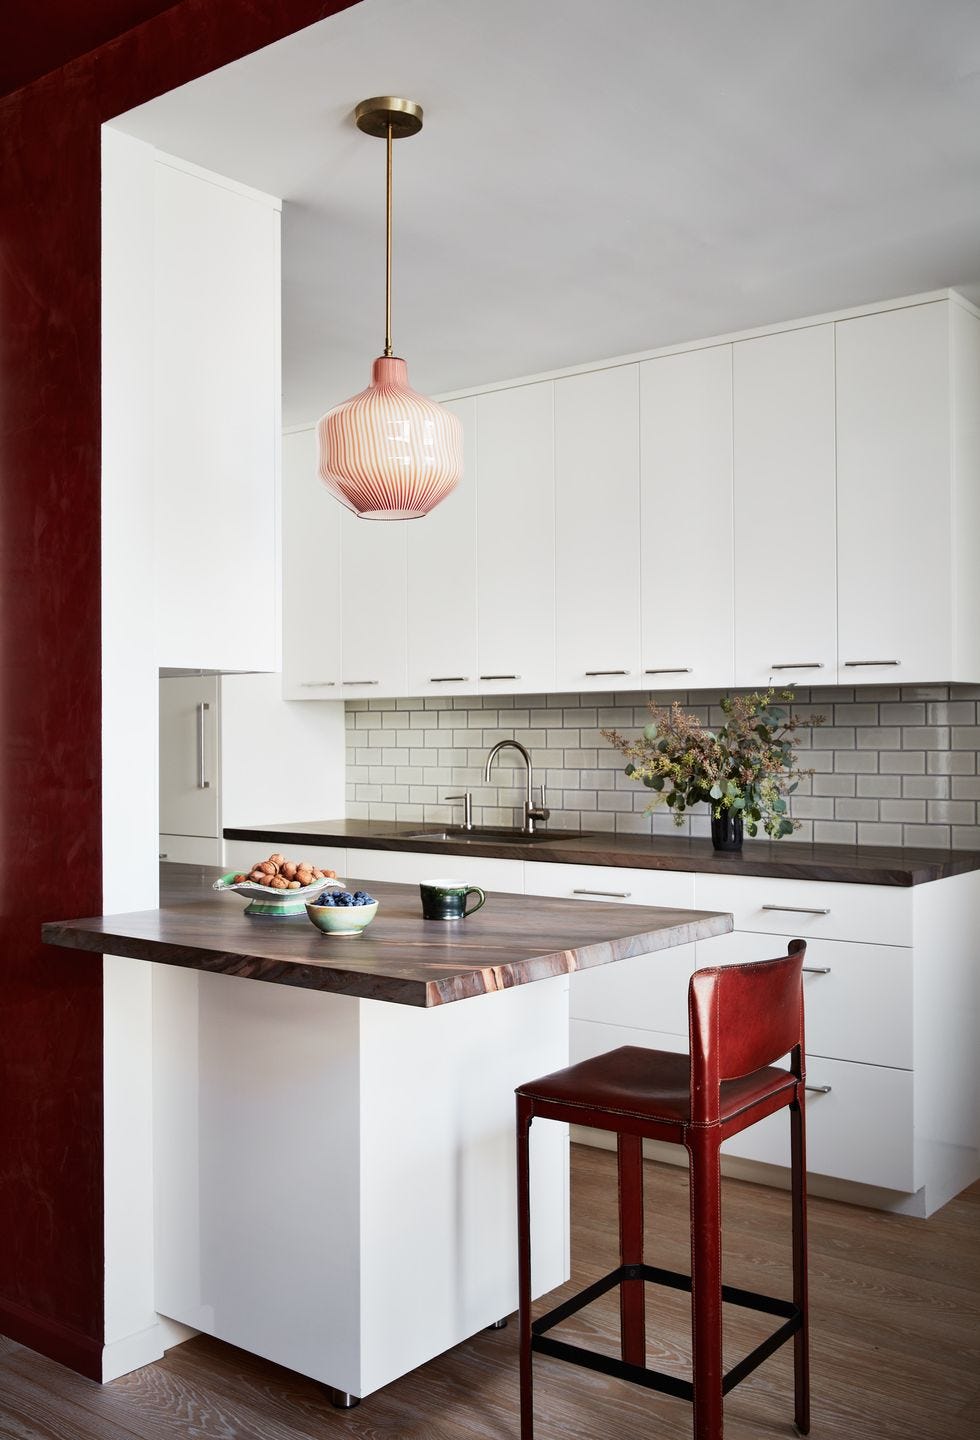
pixel 333 1147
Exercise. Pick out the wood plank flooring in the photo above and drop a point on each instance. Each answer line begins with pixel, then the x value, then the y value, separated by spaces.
pixel 896 1345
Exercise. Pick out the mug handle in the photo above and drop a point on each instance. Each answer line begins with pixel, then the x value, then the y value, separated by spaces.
pixel 474 890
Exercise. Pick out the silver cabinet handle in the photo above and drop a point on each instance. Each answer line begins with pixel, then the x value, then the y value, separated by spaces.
pixel 816 969
pixel 500 677
pixel 362 682
pixel 818 1089
pixel 316 684
pixel 592 673
pixel 449 679
pixel 203 783
pixel 670 670
pixel 607 894
pixel 859 664
pixel 800 909
pixel 800 665
pixel 163 855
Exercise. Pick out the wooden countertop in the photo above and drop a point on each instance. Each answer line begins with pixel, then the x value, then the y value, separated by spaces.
pixel 791 860
pixel 512 940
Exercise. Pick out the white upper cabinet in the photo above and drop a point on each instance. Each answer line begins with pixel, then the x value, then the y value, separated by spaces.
pixel 442 579
pixel 516 539
pixel 312 625
pixel 687 638
pixel 216 422
pixel 894 496
pixel 598 534
pixel 373 586
pixel 785 509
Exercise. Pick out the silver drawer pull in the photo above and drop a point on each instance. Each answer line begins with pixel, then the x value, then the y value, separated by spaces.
pixel 818 1089
pixel 816 969
pixel 449 679
pixel 163 855
pixel 362 682
pixel 800 665
pixel 859 664
pixel 670 670
pixel 203 783
pixel 317 684
pixel 500 677
pixel 800 909
pixel 607 894
pixel 590 674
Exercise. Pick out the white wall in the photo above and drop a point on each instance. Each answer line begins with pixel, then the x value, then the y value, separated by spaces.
pixel 129 738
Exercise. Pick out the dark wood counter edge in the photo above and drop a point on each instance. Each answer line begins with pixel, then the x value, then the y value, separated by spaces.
pixel 464 984
pixel 843 864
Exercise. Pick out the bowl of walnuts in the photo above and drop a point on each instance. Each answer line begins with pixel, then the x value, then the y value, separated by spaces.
pixel 277 887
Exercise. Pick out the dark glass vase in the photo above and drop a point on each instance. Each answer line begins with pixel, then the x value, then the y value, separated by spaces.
pixel 726 831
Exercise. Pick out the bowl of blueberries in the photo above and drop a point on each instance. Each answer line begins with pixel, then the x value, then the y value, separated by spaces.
pixel 341 912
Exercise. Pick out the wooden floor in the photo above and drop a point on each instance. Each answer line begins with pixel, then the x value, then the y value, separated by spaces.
pixel 896 1345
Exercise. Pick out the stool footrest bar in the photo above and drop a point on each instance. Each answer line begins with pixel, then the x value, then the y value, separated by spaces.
pixel 639 1374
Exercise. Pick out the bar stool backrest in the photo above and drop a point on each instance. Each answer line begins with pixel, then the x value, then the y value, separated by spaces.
pixel 743 1017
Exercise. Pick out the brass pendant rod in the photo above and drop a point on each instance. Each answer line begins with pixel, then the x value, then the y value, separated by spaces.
pixel 388 350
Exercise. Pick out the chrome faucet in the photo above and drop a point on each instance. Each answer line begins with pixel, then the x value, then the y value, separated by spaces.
pixel 532 812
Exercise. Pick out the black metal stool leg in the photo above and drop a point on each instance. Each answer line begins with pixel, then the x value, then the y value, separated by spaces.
pixel 801 1340
pixel 524 1117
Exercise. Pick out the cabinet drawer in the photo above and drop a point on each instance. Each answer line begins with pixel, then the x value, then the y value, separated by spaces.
pixel 410 867
pixel 243 854
pixel 861 1010
pixel 610 882
pixel 861 1130
pixel 645 991
pixel 190 849
pixel 877 914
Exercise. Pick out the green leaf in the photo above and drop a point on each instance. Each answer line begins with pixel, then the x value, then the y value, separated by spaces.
pixel 752 828
pixel 779 806
pixel 657 783
pixel 631 769
pixel 795 786
pixel 715 791
pixel 785 827
pixel 650 781
pixel 651 731
pixel 738 804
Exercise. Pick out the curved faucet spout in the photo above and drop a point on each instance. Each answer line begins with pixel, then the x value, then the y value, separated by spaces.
pixel 531 814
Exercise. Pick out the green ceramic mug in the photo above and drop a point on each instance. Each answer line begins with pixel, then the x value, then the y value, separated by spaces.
pixel 446 899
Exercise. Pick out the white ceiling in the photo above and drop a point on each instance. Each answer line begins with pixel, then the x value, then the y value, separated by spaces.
pixel 595 177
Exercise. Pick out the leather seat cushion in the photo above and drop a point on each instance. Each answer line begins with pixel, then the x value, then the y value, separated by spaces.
pixel 648 1085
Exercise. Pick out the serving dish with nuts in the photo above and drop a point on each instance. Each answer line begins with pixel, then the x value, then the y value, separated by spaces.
pixel 276 887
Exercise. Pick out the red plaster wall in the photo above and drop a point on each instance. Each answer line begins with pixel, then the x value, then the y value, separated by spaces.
pixel 51 1247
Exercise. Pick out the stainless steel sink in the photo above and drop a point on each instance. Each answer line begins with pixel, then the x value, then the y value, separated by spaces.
pixel 502 833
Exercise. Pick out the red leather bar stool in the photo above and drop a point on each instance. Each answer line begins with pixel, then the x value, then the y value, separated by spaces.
pixel 742 1019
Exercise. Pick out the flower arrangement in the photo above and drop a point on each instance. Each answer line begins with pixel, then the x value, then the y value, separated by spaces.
pixel 744 770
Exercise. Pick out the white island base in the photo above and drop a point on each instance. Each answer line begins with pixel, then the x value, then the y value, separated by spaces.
pixel 335 1177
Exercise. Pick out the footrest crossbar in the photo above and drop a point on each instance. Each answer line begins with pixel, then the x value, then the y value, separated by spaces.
pixel 542 1344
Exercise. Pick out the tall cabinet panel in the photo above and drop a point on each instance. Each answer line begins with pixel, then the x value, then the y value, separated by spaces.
pixel 190 759
pixel 312 627
pixel 216 423
pixel 686 491
pixel 598 535
pixel 373 605
pixel 442 581
pixel 516 539
pixel 893 496
pixel 785 508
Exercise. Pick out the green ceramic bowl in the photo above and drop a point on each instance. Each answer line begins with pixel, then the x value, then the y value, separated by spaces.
pixel 342 919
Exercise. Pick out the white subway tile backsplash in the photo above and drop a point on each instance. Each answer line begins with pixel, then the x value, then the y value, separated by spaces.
pixel 891 766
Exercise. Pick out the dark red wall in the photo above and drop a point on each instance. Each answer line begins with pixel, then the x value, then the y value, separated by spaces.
pixel 51 1249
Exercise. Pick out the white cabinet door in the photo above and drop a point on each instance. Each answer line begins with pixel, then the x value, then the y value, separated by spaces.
pixel 516 539
pixel 442 582
pixel 686 480
pixel 893 496
pixel 785 508
pixel 311 620
pixel 598 497
pixel 190 763
pixel 372 606
pixel 412 867
pixel 216 425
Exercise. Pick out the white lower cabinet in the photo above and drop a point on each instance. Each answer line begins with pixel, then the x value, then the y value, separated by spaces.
pixel 409 867
pixel 190 849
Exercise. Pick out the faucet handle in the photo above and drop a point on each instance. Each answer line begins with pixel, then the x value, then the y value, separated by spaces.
pixel 539 812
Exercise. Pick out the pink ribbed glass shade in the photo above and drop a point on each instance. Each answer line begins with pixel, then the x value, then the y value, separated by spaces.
pixel 389 453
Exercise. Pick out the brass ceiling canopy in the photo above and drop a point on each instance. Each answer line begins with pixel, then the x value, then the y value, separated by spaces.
pixel 375 116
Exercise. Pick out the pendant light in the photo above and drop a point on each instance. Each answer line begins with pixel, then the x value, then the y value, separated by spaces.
pixel 389 453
